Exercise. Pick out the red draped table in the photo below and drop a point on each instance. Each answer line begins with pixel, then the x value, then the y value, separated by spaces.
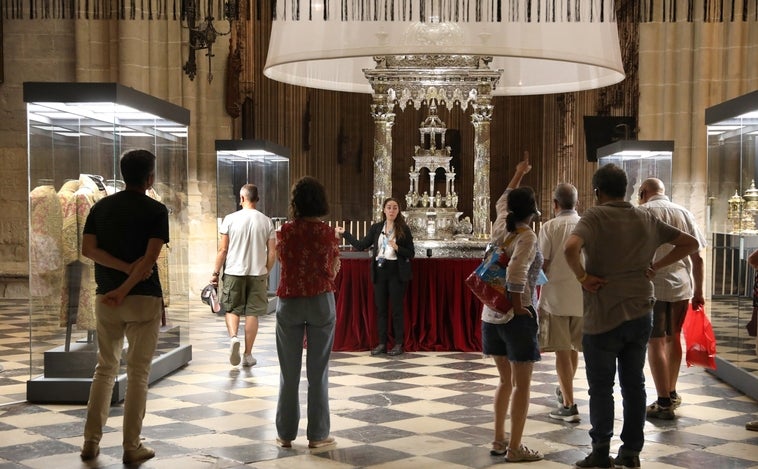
pixel 441 313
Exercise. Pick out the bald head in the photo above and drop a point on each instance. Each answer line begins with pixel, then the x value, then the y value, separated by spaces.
pixel 565 196
pixel 651 187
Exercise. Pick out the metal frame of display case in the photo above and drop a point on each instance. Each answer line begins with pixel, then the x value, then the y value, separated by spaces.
pixel 733 155
pixel 260 162
pixel 655 155
pixel 78 130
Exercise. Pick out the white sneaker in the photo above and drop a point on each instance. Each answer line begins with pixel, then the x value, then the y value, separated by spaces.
pixel 249 360
pixel 234 351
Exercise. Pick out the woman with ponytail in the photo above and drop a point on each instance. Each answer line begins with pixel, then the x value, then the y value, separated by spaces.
pixel 510 337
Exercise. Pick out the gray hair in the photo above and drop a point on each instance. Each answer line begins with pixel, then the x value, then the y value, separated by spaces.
pixel 565 195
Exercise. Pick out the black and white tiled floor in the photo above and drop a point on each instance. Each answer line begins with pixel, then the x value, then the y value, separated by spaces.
pixel 418 410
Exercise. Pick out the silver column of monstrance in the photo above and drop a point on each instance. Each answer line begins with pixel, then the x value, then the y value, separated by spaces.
pixel 459 80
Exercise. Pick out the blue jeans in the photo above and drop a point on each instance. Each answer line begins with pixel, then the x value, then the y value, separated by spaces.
pixel 312 318
pixel 627 346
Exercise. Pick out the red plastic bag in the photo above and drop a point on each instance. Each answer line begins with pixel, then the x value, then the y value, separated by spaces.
pixel 699 338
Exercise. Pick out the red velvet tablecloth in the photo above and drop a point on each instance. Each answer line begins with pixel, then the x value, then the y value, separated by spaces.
pixel 441 313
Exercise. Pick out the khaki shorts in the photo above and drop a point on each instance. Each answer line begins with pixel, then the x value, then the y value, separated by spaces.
pixel 245 295
pixel 560 332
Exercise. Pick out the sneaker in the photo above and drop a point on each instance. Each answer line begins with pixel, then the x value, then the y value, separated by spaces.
pixel 499 448
pixel 627 462
pixel 559 396
pixel 655 411
pixel 567 414
pixel 234 351
pixel 595 461
pixel 90 450
pixel 325 443
pixel 522 454
pixel 249 360
pixel 676 400
pixel 136 455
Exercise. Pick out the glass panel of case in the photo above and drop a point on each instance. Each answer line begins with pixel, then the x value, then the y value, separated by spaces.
pixel 259 162
pixel 76 134
pixel 732 210
pixel 640 159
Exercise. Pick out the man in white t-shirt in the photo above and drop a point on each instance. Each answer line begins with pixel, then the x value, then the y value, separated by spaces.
pixel 247 252
pixel 675 286
pixel 561 304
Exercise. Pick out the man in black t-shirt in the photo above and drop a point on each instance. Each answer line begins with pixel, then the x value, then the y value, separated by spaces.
pixel 123 235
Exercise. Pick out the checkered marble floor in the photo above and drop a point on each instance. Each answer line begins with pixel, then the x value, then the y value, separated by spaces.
pixel 417 410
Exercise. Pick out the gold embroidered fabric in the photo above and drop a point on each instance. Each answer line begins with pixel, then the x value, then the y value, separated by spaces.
pixel 45 265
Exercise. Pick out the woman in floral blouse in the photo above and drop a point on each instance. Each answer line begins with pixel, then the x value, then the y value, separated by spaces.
pixel 308 251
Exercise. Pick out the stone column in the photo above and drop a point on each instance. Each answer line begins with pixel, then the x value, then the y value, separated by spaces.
pixel 384 119
pixel 481 118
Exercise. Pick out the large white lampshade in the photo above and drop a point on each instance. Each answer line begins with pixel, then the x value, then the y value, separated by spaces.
pixel 540 47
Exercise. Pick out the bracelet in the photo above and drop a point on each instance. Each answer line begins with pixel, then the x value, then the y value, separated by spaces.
pixel 215 274
pixel 583 277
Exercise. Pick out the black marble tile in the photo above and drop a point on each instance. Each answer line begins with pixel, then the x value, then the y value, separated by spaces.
pixel 378 415
pixel 37 449
pixel 382 399
pixel 250 453
pixel 569 435
pixel 466 365
pixel 569 456
pixel 61 430
pixel 467 376
pixel 471 416
pixel 732 404
pixel 471 386
pixel 192 413
pixel 173 430
pixel 372 433
pixel 469 456
pixel 263 433
pixel 362 456
pixel 388 386
pixel 468 400
pixel 472 435
pixel 695 458
pixel 21 408
pixel 393 375
pixel 683 439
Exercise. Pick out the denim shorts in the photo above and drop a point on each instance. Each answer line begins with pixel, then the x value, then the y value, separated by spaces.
pixel 516 339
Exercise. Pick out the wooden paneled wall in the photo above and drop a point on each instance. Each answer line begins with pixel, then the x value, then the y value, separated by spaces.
pixel 331 134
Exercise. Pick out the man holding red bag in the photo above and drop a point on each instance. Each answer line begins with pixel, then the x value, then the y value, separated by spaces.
pixel 674 285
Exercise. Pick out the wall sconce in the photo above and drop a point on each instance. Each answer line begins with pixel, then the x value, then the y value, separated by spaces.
pixel 203 34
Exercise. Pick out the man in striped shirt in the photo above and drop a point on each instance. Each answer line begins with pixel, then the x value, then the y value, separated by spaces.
pixel 675 285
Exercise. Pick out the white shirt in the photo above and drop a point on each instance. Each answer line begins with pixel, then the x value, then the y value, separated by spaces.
pixel 562 294
pixel 249 231
pixel 673 282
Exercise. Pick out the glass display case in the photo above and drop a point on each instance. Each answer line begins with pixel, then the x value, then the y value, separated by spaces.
pixel 731 210
pixel 76 134
pixel 641 159
pixel 259 162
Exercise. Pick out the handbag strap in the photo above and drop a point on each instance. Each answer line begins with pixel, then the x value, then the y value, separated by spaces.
pixel 512 236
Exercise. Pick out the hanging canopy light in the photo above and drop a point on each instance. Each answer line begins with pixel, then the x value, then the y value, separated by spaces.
pixel 539 47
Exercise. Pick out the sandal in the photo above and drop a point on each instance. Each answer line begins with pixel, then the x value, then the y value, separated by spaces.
pixel 499 448
pixel 522 453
